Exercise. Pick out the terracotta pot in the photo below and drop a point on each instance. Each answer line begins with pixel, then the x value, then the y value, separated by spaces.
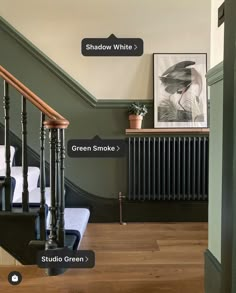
pixel 135 121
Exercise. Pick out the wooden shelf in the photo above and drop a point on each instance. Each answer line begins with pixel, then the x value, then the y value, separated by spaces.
pixel 167 130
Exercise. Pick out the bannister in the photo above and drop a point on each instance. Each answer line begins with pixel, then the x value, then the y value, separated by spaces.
pixel 56 125
pixel 55 119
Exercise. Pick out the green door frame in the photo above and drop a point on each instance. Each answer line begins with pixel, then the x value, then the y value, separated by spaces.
pixel 228 248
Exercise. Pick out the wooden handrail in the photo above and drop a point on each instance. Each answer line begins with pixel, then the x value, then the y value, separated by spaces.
pixel 55 119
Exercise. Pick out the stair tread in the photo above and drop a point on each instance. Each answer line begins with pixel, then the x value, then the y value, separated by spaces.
pixel 16 172
pixel 34 196
pixel 2 155
pixel 75 219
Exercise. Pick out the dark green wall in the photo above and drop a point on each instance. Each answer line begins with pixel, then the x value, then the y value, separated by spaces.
pixel 102 177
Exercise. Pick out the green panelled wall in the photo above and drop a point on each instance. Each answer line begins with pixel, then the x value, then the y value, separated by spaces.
pixel 88 117
pixel 213 254
pixel 215 81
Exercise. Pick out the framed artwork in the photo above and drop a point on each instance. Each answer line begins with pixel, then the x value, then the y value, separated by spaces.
pixel 180 91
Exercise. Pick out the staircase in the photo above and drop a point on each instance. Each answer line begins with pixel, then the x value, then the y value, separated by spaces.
pixel 34 218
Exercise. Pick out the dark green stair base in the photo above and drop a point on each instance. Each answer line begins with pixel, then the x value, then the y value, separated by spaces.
pixel 20 237
pixel 17 229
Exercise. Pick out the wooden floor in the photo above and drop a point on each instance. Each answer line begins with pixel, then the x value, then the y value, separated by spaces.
pixel 137 258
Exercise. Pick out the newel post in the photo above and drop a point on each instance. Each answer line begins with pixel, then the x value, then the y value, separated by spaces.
pixel 57 158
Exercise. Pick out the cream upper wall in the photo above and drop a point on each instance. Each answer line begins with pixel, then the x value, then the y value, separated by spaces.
pixel 57 27
pixel 217 35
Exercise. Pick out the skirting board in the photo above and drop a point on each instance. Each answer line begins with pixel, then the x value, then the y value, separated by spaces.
pixel 212 273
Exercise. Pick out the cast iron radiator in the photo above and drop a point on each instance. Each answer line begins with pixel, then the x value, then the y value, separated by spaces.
pixel 168 168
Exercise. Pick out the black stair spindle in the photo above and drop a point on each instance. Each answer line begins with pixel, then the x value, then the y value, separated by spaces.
pixel 25 192
pixel 61 226
pixel 52 241
pixel 57 177
pixel 42 210
pixel 7 182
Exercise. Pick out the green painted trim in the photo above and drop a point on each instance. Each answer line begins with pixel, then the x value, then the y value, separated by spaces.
pixel 215 74
pixel 60 73
pixel 213 260
pixel 213 271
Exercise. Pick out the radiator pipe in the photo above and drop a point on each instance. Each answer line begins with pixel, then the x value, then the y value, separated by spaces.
pixel 120 201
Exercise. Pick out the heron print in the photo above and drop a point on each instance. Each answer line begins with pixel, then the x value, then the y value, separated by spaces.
pixel 182 92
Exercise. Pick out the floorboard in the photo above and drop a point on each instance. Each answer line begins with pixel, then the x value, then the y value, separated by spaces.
pixel 135 258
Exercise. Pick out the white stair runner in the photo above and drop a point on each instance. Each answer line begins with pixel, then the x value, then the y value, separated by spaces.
pixel 2 156
pixel 34 196
pixel 75 219
pixel 16 172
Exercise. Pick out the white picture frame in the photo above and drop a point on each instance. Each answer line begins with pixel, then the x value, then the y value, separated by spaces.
pixel 180 91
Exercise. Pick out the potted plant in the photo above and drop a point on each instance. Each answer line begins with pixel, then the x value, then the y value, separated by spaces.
pixel 136 113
